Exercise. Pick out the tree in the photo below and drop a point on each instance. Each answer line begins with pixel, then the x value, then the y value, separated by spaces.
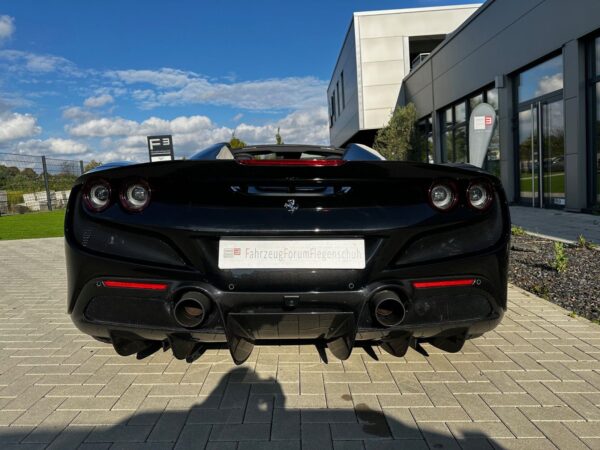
pixel 278 138
pixel 398 140
pixel 91 165
pixel 234 142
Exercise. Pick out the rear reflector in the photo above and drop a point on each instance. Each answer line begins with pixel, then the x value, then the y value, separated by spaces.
pixel 135 285
pixel 443 283
pixel 292 162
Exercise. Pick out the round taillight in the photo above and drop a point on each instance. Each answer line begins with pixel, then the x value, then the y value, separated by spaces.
pixel 135 196
pixel 97 195
pixel 442 196
pixel 479 196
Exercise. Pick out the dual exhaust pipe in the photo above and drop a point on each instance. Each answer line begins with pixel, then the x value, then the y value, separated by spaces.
pixel 388 308
pixel 192 309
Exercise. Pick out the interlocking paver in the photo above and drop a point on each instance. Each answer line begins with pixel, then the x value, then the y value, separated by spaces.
pixel 476 408
pixel 517 422
pixel 534 382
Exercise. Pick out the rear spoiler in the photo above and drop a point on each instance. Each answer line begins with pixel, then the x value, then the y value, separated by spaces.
pixel 352 152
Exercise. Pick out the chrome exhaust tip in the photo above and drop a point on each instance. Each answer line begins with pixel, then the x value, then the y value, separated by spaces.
pixel 388 308
pixel 191 309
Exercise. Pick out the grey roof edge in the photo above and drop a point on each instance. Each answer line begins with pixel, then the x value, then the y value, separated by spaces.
pixel 417 9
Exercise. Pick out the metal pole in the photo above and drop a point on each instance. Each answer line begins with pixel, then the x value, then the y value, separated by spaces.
pixel 80 167
pixel 45 172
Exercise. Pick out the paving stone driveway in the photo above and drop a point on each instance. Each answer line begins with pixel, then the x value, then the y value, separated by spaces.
pixel 535 383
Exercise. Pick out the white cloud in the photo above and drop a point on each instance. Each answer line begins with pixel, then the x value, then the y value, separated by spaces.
pixel 7 28
pixel 175 87
pixel 17 126
pixel 549 83
pixel 299 127
pixel 52 146
pixel 77 114
pixel 164 77
pixel 33 62
pixel 104 127
pixel 98 101
pixel 126 139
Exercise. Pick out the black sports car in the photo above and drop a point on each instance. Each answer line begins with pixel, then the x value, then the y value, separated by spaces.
pixel 286 242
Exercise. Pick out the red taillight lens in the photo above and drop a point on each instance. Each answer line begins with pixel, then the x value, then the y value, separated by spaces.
pixel 135 285
pixel 292 162
pixel 443 196
pixel 135 196
pixel 443 283
pixel 479 196
pixel 96 195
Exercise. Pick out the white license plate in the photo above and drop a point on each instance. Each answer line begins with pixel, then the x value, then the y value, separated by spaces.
pixel 291 254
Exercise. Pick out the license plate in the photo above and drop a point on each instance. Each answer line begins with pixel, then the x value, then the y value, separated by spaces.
pixel 291 254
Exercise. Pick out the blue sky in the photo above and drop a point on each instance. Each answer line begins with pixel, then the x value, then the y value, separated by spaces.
pixel 90 79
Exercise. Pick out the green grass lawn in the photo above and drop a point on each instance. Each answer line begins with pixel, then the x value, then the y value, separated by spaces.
pixel 553 183
pixel 32 225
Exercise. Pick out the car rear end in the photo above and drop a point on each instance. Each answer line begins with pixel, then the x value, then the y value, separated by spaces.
pixel 242 251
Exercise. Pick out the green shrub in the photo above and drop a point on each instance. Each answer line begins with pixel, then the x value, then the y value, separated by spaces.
pixel 560 257
pixel 582 242
pixel 517 231
pixel 15 197
pixel 399 140
pixel 541 290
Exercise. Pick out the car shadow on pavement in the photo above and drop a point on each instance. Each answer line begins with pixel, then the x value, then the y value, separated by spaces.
pixel 244 411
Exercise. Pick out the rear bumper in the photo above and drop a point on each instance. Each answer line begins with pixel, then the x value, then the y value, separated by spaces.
pixel 176 241
pixel 337 318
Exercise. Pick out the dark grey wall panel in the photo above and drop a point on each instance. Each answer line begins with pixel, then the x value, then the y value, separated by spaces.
pixel 421 79
pixel 423 101
pixel 492 19
pixel 460 67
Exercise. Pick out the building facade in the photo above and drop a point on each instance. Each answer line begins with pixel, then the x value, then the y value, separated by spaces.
pixel 538 63
pixel 379 50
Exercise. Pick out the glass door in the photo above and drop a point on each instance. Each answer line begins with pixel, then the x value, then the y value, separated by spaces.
pixel 529 156
pixel 542 154
pixel 553 153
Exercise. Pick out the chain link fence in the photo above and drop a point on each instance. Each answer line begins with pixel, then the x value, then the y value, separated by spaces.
pixel 35 183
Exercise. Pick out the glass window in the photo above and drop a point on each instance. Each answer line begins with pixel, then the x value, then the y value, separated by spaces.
pixel 343 91
pixel 597 51
pixel 594 86
pixel 337 91
pixel 596 153
pixel 424 140
pixel 460 144
pixel 492 163
pixel 448 116
pixel 455 131
pixel 475 100
pixel 492 98
pixel 542 79
pixel 460 112
pixel 332 112
pixel 448 146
